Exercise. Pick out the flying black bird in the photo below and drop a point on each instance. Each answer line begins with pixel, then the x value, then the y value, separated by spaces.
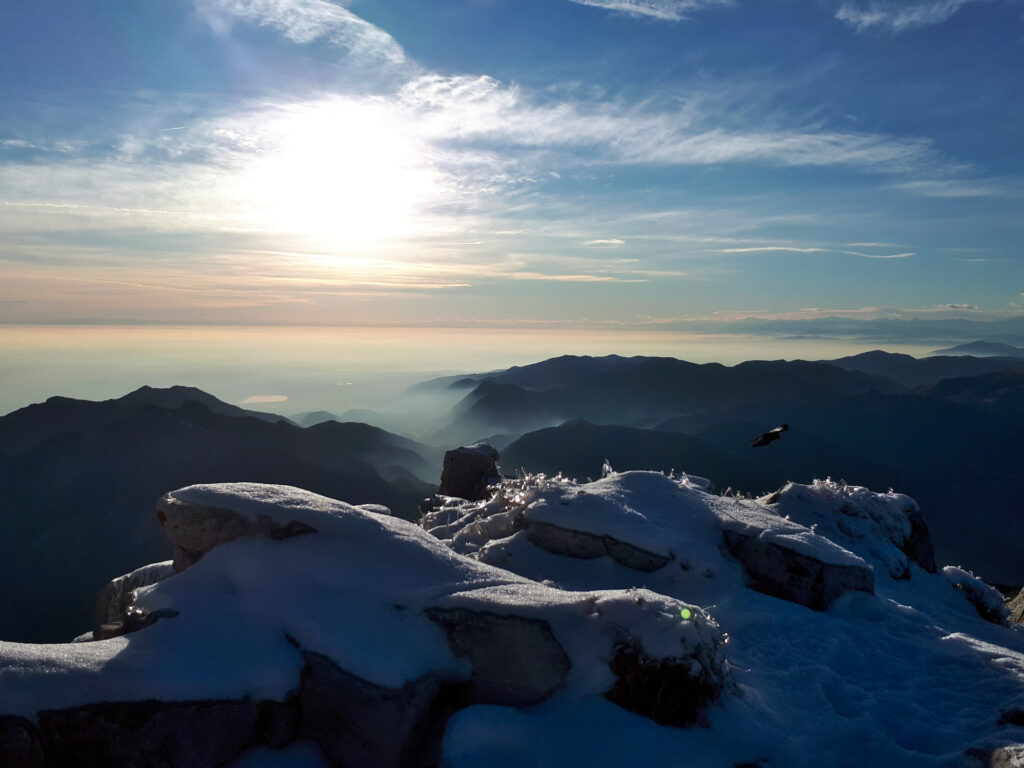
pixel 766 437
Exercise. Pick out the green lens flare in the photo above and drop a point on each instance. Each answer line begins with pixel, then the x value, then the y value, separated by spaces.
pixel 686 613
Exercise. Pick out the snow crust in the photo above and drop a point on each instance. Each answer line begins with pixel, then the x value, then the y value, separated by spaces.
pixel 910 676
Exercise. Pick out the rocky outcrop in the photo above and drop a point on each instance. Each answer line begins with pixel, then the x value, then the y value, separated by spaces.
pixel 782 572
pixel 362 725
pixel 986 599
pixel 665 690
pixel 148 734
pixel 111 613
pixel 885 529
pixel 564 541
pixel 468 471
pixel 1016 606
pixel 918 545
pixel 516 661
pixel 195 529
pixel 456 632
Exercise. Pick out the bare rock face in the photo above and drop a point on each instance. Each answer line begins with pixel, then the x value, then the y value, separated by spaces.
pixel 1016 607
pixel 361 725
pixel 468 471
pixel 665 690
pixel 19 743
pixel 148 734
pixel 562 541
pixel 195 529
pixel 114 600
pixel 781 572
pixel 918 545
pixel 516 661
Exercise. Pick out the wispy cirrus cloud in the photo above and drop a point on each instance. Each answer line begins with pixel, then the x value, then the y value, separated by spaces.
pixel 486 112
pixel 666 10
pixel 953 188
pixel 899 16
pixel 306 21
pixel 812 249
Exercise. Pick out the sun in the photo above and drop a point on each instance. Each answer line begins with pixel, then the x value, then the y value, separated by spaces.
pixel 341 173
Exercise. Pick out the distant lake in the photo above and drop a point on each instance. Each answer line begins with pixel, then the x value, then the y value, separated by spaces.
pixel 289 369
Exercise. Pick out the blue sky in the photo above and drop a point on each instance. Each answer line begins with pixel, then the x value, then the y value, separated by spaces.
pixel 794 166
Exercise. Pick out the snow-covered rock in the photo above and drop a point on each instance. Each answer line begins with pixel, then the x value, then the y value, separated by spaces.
pixel 364 619
pixel 646 521
pixel 195 522
pixel 987 600
pixel 886 529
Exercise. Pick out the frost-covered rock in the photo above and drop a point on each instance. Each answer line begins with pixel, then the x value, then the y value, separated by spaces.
pixel 468 471
pixel 987 600
pixel 886 529
pixel 648 522
pixel 363 635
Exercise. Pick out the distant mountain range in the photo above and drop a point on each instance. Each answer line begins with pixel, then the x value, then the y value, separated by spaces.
pixel 983 349
pixel 945 430
pixel 79 479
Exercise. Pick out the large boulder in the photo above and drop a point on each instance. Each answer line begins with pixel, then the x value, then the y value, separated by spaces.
pixel 468 471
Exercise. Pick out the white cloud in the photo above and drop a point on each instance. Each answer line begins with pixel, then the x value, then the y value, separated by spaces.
pixel 795 249
pixel 952 188
pixel 898 16
pixel 483 111
pixel 609 243
pixel 667 10
pixel 306 21
pixel 768 248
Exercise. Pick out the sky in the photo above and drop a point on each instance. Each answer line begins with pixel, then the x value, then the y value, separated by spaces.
pixel 830 168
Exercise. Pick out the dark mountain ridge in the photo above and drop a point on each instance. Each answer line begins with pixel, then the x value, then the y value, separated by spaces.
pixel 913 372
pixel 78 494
pixel 34 423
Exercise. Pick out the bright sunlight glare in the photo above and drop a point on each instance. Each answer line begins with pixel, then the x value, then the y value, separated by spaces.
pixel 339 173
